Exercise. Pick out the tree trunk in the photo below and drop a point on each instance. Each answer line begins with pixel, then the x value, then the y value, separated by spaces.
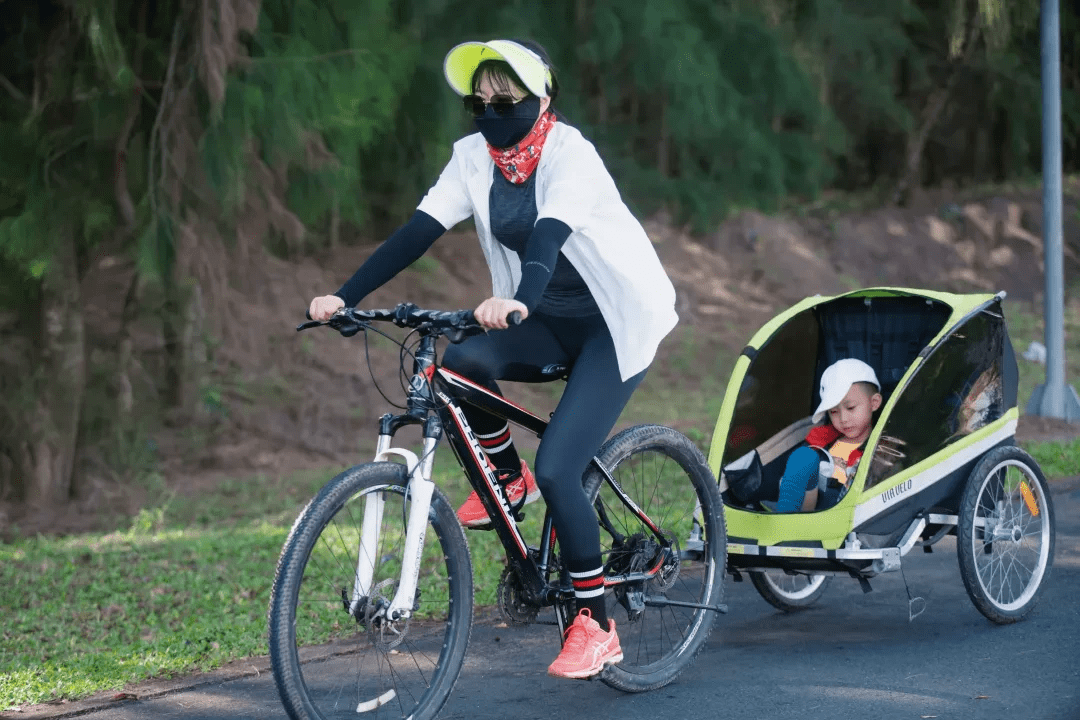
pixel 184 325
pixel 588 76
pixel 335 223
pixel 1000 146
pixel 931 113
pixel 663 143
pixel 171 332
pixel 46 454
pixel 124 204
pixel 194 348
pixel 916 142
pixel 125 396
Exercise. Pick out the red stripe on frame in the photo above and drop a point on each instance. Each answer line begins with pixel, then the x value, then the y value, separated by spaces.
pixel 586 584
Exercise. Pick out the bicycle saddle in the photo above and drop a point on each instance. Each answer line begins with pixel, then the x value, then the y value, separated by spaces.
pixel 556 371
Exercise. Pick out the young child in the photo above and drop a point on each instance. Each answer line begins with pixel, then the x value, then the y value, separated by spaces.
pixel 850 395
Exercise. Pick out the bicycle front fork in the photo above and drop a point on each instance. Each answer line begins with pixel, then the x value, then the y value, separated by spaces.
pixel 419 493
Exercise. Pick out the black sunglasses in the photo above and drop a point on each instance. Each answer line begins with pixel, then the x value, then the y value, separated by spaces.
pixel 502 104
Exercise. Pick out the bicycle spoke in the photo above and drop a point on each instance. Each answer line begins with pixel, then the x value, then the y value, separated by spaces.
pixel 387 668
pixel 653 468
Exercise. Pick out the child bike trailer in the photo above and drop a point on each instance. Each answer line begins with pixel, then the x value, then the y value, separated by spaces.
pixel 941 458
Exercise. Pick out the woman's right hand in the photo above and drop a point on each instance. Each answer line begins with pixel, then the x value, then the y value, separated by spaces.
pixel 323 307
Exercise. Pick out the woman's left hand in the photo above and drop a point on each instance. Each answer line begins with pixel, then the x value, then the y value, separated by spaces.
pixel 492 312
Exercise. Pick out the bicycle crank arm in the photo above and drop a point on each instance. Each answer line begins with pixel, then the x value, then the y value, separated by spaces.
pixel 664 602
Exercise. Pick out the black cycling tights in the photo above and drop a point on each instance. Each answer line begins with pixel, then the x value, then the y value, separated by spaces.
pixel 590 405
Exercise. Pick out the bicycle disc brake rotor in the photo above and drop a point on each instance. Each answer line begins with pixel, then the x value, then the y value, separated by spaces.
pixel 512 603
pixel 371 615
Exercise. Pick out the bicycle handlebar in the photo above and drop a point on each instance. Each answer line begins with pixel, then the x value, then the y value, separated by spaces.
pixel 455 325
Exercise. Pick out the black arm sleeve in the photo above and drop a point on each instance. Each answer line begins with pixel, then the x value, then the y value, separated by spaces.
pixel 400 250
pixel 541 254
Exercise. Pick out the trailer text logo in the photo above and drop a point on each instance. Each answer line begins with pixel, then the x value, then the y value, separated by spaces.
pixel 892 493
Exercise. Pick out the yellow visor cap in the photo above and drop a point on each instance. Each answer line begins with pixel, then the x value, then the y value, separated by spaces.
pixel 462 60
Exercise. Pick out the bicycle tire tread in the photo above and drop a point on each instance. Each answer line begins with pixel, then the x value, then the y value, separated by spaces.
pixel 691 460
pixel 313 519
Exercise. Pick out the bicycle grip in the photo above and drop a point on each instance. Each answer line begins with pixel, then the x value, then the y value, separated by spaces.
pixel 514 318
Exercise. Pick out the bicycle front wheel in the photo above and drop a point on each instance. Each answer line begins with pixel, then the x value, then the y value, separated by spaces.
pixel 329 662
pixel 664 621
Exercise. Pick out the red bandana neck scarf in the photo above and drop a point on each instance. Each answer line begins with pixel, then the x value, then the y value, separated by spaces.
pixel 518 162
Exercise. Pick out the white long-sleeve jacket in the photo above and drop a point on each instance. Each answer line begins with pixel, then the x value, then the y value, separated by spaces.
pixel 607 245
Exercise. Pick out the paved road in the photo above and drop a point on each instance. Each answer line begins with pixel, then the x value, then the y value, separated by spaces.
pixel 852 656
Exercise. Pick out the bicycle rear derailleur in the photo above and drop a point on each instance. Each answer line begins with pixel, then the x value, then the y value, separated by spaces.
pixel 636 555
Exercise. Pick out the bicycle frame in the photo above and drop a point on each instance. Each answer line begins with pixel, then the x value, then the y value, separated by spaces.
pixel 433 401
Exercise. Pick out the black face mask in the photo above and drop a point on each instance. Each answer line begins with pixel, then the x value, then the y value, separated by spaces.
pixel 502 131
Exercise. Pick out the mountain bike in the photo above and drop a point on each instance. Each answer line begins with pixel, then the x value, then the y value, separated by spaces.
pixel 372 603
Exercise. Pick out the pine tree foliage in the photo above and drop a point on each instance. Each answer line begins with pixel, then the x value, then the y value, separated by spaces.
pixel 852 51
pixel 692 126
pixel 323 80
pixel 60 135
pixel 180 133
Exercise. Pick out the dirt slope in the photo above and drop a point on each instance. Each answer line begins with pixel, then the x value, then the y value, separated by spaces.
pixel 728 284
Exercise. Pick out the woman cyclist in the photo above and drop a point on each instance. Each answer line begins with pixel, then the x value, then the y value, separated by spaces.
pixel 566 253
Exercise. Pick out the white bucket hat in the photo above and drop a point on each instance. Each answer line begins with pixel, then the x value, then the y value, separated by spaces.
pixel 462 60
pixel 838 379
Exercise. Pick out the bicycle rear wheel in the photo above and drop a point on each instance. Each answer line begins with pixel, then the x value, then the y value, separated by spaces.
pixel 329 663
pixel 665 475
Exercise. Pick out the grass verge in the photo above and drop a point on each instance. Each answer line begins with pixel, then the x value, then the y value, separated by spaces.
pixel 185 587
pixel 1057 459
pixel 102 611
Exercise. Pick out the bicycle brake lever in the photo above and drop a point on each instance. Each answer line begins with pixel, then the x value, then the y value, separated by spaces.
pixel 308 325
